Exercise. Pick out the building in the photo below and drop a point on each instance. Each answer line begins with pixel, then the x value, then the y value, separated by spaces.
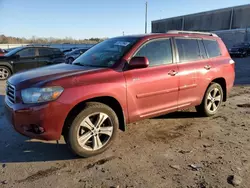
pixel 229 23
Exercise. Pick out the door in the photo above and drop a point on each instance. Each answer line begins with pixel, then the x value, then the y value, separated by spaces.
pixel 206 69
pixel 194 71
pixel 44 57
pixel 27 60
pixel 153 90
pixel 57 56
pixel 190 59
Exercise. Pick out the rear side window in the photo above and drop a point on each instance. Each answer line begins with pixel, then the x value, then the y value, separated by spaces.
pixel 158 52
pixel 203 53
pixel 188 49
pixel 212 48
pixel 44 52
pixel 56 51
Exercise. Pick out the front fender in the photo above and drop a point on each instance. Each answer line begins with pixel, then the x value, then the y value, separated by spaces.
pixel 74 96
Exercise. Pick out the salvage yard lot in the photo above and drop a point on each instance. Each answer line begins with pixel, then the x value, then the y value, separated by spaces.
pixel 155 152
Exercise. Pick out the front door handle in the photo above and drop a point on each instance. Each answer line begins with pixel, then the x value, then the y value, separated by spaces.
pixel 172 73
pixel 207 67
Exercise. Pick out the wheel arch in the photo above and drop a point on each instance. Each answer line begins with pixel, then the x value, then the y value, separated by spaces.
pixel 107 100
pixel 7 66
pixel 222 82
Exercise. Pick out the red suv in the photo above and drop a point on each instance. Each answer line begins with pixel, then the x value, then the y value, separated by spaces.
pixel 120 81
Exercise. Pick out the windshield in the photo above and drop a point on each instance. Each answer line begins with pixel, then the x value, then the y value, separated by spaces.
pixel 11 52
pixel 106 53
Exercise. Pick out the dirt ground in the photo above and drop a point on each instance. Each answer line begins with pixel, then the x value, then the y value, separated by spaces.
pixel 175 150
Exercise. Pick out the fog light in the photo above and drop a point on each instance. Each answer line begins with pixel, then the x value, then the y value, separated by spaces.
pixel 37 129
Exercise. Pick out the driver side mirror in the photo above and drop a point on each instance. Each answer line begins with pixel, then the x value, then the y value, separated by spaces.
pixel 138 63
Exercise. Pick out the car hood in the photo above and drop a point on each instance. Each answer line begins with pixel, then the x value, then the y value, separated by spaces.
pixel 46 74
pixel 2 57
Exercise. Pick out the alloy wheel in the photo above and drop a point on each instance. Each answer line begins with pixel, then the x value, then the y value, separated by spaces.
pixel 213 100
pixel 95 131
pixel 4 73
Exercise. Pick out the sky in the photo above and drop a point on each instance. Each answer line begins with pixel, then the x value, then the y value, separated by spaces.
pixel 82 19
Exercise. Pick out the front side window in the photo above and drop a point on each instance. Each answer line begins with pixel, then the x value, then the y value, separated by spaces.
pixel 27 52
pixel 188 49
pixel 212 47
pixel 106 53
pixel 158 52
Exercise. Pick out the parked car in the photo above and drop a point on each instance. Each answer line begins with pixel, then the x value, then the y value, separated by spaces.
pixel 240 50
pixel 65 51
pixel 71 56
pixel 120 81
pixel 24 58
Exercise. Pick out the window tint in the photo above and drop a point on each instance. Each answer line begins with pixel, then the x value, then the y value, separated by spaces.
pixel 203 53
pixel 212 47
pixel 158 52
pixel 188 49
pixel 44 52
pixel 56 51
pixel 27 52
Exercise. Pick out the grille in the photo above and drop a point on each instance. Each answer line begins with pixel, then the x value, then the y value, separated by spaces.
pixel 11 93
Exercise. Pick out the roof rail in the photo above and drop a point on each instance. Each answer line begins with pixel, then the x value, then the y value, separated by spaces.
pixel 191 32
pixel 37 45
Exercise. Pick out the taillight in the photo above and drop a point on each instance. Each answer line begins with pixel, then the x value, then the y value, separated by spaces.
pixel 231 62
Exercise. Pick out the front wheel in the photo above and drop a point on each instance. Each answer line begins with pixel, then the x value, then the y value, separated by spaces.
pixel 212 100
pixel 93 130
pixel 4 73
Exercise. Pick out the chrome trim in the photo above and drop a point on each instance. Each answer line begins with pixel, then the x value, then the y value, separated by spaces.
pixel 11 93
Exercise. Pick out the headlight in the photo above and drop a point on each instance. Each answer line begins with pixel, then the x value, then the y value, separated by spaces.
pixel 39 95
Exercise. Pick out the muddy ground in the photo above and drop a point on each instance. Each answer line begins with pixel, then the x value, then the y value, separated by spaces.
pixel 175 150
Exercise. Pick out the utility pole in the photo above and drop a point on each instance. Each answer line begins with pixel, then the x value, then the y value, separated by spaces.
pixel 146 18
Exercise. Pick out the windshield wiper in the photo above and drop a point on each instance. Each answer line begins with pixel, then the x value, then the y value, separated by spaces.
pixel 88 65
pixel 77 63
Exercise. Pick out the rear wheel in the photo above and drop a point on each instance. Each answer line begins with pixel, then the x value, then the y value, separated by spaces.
pixel 93 130
pixel 212 100
pixel 4 73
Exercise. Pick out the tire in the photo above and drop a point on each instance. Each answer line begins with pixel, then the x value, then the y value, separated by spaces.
pixel 85 134
pixel 5 73
pixel 211 97
pixel 70 60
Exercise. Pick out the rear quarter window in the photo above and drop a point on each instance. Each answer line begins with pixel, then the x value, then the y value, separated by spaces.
pixel 212 47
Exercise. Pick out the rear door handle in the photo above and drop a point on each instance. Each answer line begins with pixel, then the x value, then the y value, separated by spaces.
pixel 207 67
pixel 172 73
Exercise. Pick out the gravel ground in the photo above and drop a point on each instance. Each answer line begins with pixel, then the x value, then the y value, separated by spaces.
pixel 175 150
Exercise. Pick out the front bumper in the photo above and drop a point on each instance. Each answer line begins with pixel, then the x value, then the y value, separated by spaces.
pixel 25 118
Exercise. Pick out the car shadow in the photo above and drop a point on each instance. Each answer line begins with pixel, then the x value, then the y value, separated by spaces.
pixel 17 148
